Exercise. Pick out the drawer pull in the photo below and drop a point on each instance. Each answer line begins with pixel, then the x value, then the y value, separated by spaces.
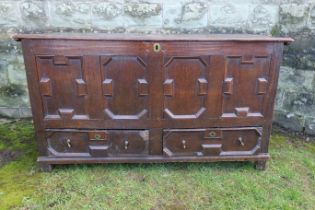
pixel 126 144
pixel 156 47
pixel 240 140
pixel 69 143
pixel 184 144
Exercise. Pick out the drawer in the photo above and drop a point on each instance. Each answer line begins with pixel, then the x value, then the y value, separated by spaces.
pixel 211 142
pixel 98 143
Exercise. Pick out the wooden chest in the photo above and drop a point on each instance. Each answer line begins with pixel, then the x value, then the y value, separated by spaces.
pixel 153 98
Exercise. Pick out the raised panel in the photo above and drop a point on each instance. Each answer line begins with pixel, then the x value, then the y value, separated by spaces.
pixel 81 87
pixel 60 60
pixel 185 87
pixel 108 87
pixel 245 85
pixel 169 87
pixel 125 87
pixel 45 86
pixel 143 89
pixel 203 86
pixel 228 86
pixel 262 85
pixel 62 86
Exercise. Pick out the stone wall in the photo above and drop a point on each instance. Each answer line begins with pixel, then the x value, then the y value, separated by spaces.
pixel 295 106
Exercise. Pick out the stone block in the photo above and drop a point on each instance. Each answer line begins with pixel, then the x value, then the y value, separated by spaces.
pixel 70 14
pixel 3 72
pixel 289 120
pixel 190 14
pixel 311 22
pixel 144 13
pixel 14 100
pixel 9 15
pixel 270 1
pixel 25 112
pixel 301 53
pixel 293 80
pixel 293 16
pixel 16 76
pixel 16 71
pixel 9 112
pixel 263 17
pixel 9 47
pixel 229 15
pixel 299 102
pixel 108 14
pixel 279 98
pixel 34 14
pixel 310 125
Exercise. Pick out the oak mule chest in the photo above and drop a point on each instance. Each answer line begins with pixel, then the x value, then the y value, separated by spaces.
pixel 151 98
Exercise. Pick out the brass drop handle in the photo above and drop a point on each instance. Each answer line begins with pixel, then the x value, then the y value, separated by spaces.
pixel 126 144
pixel 156 47
pixel 184 144
pixel 240 140
pixel 69 143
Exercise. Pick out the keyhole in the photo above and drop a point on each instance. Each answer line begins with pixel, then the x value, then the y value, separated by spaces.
pixel 156 47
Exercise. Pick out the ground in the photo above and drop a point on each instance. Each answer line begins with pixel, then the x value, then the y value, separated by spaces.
pixel 288 182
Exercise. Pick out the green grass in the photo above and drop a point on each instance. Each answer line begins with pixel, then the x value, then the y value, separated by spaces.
pixel 288 183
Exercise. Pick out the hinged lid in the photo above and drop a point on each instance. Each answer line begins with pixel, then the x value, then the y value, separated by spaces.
pixel 156 37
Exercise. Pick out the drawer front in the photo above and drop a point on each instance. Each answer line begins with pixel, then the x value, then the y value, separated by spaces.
pixel 67 143
pixel 211 142
pixel 98 143
pixel 128 143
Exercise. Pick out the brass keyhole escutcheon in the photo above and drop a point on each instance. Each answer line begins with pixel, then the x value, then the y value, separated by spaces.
pixel 156 47
pixel 212 134
pixel 97 136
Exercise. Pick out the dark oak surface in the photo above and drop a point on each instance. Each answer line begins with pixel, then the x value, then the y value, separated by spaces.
pixel 153 98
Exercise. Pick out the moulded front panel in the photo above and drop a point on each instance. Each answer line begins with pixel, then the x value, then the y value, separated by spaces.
pixel 63 86
pixel 125 85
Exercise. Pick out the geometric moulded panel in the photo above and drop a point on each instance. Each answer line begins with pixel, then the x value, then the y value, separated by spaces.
pixel 185 87
pixel 245 86
pixel 125 87
pixel 62 87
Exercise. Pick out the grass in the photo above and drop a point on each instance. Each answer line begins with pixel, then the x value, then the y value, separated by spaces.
pixel 288 183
